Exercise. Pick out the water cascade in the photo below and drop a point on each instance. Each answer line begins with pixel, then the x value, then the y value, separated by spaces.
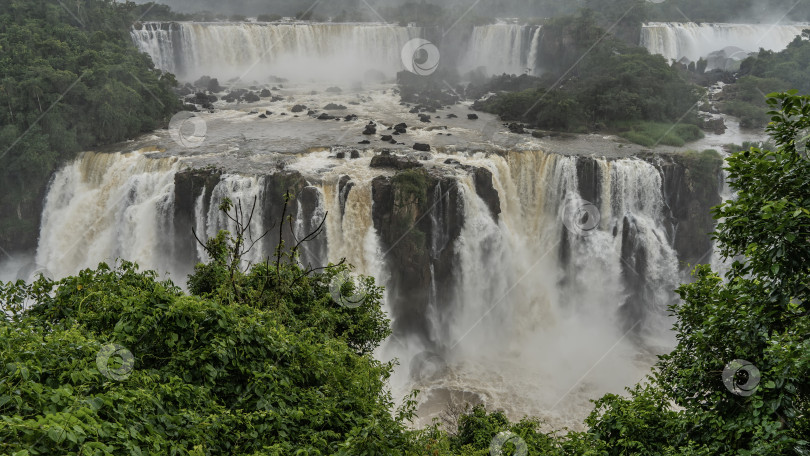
pixel 506 270
pixel 504 48
pixel 675 40
pixel 258 50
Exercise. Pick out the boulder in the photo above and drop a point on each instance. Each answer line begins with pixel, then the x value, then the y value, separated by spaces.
pixel 386 160
pixel 517 128
pixel 265 93
pixel 386 138
pixel 355 153
pixel 298 108
pixel 371 129
pixel 334 107
pixel 422 147
pixel 325 116
pixel 472 116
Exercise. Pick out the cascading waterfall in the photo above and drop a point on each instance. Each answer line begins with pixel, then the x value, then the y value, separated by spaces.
pixel 535 302
pixel 676 40
pixel 504 48
pixel 102 207
pixel 242 191
pixel 258 50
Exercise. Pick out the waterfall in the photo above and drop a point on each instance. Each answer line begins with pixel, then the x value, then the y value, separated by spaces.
pixel 676 40
pixel 520 304
pixel 503 48
pixel 257 51
pixel 106 206
pixel 242 192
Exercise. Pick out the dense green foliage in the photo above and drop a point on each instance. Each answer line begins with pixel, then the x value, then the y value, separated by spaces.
pixel 263 361
pixel 594 81
pixel 70 79
pixel 764 73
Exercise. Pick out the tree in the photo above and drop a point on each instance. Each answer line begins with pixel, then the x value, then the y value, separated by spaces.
pixel 114 361
pixel 740 373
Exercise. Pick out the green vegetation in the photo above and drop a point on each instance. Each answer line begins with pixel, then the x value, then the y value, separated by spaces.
pixel 264 361
pixel 764 73
pixel 651 134
pixel 69 80
pixel 614 86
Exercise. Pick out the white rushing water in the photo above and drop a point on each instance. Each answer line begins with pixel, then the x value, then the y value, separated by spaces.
pixel 503 48
pixel 317 51
pixel 338 52
pixel 528 328
pixel 676 40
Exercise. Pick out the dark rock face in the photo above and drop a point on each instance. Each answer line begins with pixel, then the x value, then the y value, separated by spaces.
pixel 386 160
pixel 400 128
pixel 472 116
pixel 325 116
pixel 299 108
pixel 386 138
pixel 486 191
pixel 191 184
pixel 418 229
pixel 334 107
pixel 371 129
pixel 421 147
pixel 517 128
pixel 691 189
pixel 188 186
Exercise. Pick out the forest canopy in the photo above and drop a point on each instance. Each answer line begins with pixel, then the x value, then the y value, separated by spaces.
pixel 70 79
